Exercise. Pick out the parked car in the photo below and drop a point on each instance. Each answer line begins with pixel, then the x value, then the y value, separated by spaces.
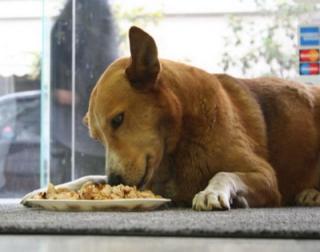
pixel 19 142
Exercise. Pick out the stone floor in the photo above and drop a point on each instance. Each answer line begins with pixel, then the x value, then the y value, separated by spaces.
pixel 55 243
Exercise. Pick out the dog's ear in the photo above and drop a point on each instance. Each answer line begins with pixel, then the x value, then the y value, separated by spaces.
pixel 144 68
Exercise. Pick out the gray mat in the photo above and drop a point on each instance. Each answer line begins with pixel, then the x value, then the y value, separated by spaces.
pixel 276 223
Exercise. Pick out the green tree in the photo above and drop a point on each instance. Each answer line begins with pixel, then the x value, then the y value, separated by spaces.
pixel 137 16
pixel 269 47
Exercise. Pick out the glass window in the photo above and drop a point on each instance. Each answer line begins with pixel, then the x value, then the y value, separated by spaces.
pixel 83 44
pixel 20 49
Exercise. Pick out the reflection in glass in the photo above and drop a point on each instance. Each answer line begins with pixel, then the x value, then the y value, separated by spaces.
pixel 95 49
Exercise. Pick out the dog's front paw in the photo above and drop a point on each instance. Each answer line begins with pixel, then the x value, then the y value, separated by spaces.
pixel 208 200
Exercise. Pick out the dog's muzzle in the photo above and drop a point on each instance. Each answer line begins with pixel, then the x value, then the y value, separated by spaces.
pixel 114 179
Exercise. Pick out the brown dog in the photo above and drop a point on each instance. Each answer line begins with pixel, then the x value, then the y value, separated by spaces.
pixel 210 141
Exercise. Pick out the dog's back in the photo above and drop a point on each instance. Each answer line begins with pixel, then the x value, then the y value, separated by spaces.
pixel 291 114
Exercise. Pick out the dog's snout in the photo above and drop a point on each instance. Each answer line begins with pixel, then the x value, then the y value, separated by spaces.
pixel 114 179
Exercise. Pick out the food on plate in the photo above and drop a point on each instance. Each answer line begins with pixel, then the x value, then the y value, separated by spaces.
pixel 94 191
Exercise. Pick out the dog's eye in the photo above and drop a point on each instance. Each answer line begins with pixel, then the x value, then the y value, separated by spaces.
pixel 117 121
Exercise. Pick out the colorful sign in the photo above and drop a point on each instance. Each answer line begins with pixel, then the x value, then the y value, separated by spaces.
pixel 309 68
pixel 309 53
pixel 309 36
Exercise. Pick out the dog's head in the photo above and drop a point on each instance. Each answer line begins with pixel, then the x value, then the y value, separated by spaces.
pixel 134 114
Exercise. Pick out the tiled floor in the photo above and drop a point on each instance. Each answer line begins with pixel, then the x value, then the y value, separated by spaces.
pixel 50 243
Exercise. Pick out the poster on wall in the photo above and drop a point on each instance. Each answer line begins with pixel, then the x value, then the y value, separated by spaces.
pixel 309 53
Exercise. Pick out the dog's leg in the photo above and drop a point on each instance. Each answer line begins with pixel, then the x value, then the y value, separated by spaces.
pixel 237 189
pixel 72 185
pixel 308 197
pixel 223 189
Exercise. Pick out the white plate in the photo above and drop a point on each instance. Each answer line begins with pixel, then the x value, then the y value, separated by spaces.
pixel 97 205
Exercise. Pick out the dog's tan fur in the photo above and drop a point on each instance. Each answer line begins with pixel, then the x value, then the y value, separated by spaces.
pixel 256 141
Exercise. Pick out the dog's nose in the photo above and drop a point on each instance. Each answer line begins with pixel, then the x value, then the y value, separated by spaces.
pixel 114 179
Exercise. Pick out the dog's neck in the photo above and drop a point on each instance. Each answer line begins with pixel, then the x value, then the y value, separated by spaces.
pixel 193 105
pixel 196 94
pixel 193 87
